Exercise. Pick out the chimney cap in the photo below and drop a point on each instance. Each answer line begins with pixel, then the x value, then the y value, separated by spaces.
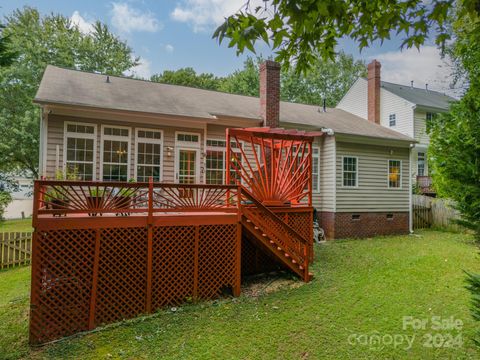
pixel 270 64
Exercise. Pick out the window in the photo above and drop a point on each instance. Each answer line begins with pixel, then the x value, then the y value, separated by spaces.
pixel 429 118
pixel 316 170
pixel 350 171
pixel 392 120
pixel 216 162
pixel 149 155
pixel 115 153
pixel 394 173
pixel 421 164
pixel 79 145
pixel 185 137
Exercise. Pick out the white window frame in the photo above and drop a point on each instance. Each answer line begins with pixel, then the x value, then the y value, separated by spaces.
pixel 224 150
pixel 356 172
pixel 116 138
pixel 149 141
pixel 81 136
pixel 318 168
pixel 187 145
pixel 424 163
pixel 394 117
pixel 388 174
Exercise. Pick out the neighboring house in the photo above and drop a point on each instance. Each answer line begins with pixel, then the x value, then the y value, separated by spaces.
pixel 22 199
pixel 115 128
pixel 402 108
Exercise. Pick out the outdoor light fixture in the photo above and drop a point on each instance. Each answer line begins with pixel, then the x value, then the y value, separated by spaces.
pixel 169 150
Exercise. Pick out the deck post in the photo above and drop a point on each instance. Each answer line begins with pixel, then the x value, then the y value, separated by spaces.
pixel 238 249
pixel 93 294
pixel 148 303
pixel 33 283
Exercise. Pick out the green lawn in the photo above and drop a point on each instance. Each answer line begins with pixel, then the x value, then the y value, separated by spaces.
pixel 361 288
pixel 20 225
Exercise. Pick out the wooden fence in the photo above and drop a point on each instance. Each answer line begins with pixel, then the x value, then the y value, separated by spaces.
pixel 15 248
pixel 431 212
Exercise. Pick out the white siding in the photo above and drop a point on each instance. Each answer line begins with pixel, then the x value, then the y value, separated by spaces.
pixel 372 193
pixel 355 100
pixel 420 122
pixel 325 200
pixel 403 110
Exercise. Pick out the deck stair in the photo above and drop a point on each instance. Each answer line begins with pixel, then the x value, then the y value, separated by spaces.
pixel 275 236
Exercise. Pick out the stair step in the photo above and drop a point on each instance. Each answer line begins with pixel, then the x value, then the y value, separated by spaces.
pixel 256 227
pixel 279 248
pixel 249 221
pixel 293 261
pixel 287 255
pixel 272 242
pixel 300 267
pixel 264 235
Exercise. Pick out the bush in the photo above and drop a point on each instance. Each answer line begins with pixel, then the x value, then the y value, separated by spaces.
pixel 5 199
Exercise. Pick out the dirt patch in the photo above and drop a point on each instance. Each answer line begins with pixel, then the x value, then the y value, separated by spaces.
pixel 259 285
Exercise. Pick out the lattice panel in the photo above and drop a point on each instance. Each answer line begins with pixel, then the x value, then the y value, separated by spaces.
pixel 302 223
pixel 61 283
pixel 173 265
pixel 216 263
pixel 122 274
pixel 254 259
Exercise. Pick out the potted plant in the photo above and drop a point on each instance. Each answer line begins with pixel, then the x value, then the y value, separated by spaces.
pixel 95 200
pixel 123 199
pixel 55 199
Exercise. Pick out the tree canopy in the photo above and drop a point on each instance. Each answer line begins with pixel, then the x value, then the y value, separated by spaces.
pixel 299 30
pixel 326 79
pixel 39 41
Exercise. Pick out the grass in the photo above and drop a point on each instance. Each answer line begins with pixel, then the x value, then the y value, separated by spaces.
pixel 20 225
pixel 361 287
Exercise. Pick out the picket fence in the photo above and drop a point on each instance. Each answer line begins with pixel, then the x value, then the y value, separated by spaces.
pixel 15 248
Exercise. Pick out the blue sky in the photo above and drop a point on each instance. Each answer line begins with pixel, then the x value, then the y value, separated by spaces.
pixel 171 34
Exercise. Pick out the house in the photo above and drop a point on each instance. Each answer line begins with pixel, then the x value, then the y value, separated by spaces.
pixel 405 109
pixel 21 204
pixel 113 128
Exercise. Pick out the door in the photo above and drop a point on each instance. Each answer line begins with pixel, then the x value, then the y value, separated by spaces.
pixel 187 165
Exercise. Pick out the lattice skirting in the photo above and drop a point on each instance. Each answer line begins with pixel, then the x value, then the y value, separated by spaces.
pixel 84 278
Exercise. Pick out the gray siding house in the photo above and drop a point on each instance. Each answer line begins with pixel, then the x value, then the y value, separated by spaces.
pixel 402 108
pixel 116 128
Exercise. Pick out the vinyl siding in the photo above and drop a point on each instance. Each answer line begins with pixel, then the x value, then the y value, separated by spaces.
pixel 355 100
pixel 403 110
pixel 325 200
pixel 420 124
pixel 56 135
pixel 372 193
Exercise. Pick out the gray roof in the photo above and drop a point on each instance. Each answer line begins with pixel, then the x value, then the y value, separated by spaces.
pixel 72 87
pixel 420 97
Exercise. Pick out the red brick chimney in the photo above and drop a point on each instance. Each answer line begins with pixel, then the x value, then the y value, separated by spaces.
pixel 374 92
pixel 270 93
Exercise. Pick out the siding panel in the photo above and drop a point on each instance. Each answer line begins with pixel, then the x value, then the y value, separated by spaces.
pixel 372 193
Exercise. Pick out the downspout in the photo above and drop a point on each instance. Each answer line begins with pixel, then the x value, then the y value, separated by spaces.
pixel 410 195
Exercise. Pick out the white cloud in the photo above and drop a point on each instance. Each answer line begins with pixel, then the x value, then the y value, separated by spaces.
pixel 84 26
pixel 423 67
pixel 203 15
pixel 142 70
pixel 169 48
pixel 126 19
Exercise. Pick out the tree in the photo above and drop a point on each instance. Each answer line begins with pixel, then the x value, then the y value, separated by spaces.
pixel 40 41
pixel 188 77
pixel 299 30
pixel 245 81
pixel 325 79
pixel 7 55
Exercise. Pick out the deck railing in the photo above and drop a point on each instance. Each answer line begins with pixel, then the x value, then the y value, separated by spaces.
pixel 425 184
pixel 95 198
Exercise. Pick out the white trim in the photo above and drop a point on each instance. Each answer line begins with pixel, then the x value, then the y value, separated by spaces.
pixel 356 172
pixel 43 144
pixel 187 145
pixel 115 138
pixel 410 195
pixel 148 141
pixel 388 175
pixel 80 136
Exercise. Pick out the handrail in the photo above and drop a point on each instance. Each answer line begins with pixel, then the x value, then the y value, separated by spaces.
pixel 273 215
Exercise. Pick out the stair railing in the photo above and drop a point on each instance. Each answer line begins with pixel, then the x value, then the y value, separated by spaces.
pixel 278 230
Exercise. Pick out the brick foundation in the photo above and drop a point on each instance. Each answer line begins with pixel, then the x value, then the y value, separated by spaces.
pixel 363 224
